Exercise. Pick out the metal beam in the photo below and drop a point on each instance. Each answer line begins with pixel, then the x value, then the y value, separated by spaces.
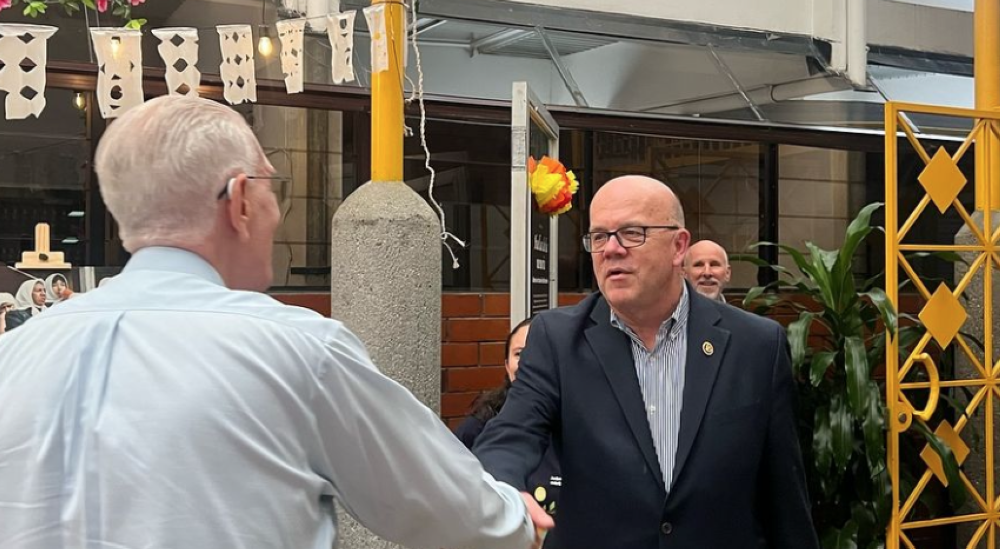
pixel 564 73
pixel 724 69
pixel 498 40
pixel 424 25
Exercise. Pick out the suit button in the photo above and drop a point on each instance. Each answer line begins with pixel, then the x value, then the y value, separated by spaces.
pixel 666 528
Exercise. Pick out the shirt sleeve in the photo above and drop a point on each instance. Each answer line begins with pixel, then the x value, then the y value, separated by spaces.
pixel 397 468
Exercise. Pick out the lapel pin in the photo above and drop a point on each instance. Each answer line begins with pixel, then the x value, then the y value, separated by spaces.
pixel 707 348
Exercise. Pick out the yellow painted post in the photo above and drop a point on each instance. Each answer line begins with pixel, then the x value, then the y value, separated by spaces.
pixel 986 23
pixel 387 99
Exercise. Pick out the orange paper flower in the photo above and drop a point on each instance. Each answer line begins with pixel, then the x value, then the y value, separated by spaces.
pixel 552 185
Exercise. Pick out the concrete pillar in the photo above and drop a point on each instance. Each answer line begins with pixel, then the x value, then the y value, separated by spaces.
pixel 974 302
pixel 386 287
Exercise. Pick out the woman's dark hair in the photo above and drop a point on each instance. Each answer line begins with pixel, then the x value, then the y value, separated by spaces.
pixel 488 404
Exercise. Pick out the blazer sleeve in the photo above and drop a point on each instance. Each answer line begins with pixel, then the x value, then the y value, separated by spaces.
pixel 787 515
pixel 513 443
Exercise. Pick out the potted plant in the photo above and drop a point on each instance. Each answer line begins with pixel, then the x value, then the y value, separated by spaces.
pixel 837 342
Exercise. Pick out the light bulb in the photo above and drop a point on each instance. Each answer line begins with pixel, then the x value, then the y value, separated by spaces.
pixel 264 45
pixel 80 101
pixel 116 44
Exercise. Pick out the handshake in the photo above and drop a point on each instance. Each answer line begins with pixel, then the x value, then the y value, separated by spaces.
pixel 542 521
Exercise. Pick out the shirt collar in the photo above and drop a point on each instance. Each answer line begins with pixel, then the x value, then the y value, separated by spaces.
pixel 174 260
pixel 676 321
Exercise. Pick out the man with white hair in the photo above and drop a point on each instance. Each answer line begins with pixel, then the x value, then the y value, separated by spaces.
pixel 180 407
pixel 706 266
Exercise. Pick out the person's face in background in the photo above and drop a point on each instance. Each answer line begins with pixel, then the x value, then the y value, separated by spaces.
pixel 517 342
pixel 38 294
pixel 707 267
pixel 59 287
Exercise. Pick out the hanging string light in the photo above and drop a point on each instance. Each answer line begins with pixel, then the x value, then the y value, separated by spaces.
pixel 264 45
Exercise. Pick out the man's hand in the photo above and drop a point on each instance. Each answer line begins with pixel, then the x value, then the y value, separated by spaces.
pixel 542 521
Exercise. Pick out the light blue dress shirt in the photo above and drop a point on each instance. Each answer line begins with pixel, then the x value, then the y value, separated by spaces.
pixel 165 411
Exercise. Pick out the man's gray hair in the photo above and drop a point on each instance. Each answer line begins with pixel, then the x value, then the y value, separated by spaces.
pixel 162 165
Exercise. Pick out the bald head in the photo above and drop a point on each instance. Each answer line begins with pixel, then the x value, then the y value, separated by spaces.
pixel 642 190
pixel 706 266
pixel 707 247
pixel 638 262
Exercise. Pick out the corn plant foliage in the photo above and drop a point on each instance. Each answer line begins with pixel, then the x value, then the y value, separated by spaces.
pixel 841 408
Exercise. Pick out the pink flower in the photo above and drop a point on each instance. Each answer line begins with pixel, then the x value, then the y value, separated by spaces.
pixel 5 4
pixel 102 5
pixel 137 2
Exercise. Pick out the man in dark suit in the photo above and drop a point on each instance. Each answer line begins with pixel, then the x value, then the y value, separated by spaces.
pixel 671 414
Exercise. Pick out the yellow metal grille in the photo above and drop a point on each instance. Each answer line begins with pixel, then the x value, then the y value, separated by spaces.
pixel 943 315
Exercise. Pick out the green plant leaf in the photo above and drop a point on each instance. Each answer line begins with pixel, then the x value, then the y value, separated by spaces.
pixel 821 363
pixel 841 432
pixel 794 253
pixel 884 306
pixel 822 441
pixel 90 4
pixel 956 489
pixel 858 375
pixel 950 257
pixel 874 430
pixel 822 262
pixel 798 338
pixel 843 538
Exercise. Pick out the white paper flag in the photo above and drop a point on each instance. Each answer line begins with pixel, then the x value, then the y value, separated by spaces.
pixel 380 40
pixel 119 69
pixel 179 50
pixel 340 31
pixel 25 86
pixel 291 33
pixel 237 69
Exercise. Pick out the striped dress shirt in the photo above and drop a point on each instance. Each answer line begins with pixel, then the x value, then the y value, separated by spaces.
pixel 661 379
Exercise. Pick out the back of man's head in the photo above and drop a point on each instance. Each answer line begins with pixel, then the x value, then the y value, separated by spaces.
pixel 162 164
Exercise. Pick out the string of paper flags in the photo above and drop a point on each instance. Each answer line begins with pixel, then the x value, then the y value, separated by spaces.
pixel 119 60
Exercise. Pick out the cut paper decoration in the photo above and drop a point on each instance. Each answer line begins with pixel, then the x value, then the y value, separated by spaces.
pixel 340 30
pixel 380 42
pixel 119 69
pixel 291 33
pixel 23 53
pixel 552 185
pixel 237 68
pixel 179 50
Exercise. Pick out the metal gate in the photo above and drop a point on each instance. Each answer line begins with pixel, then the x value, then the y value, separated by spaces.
pixel 914 384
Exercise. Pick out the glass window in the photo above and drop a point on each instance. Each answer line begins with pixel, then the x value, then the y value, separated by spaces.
pixel 819 193
pixel 316 148
pixel 44 175
pixel 716 181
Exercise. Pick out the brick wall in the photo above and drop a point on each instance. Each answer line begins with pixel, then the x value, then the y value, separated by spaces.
pixel 473 335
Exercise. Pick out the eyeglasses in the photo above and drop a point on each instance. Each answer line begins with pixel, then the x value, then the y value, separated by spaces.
pixel 628 237
pixel 282 192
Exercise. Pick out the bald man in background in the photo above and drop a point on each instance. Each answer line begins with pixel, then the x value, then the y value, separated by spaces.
pixel 706 266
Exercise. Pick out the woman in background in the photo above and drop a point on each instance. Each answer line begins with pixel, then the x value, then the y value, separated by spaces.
pixel 31 296
pixel 57 289
pixel 29 301
pixel 544 483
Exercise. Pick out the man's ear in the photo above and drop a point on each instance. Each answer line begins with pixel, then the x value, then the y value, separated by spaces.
pixel 682 242
pixel 237 206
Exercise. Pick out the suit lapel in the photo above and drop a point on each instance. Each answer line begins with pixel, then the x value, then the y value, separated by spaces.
pixel 706 345
pixel 614 352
